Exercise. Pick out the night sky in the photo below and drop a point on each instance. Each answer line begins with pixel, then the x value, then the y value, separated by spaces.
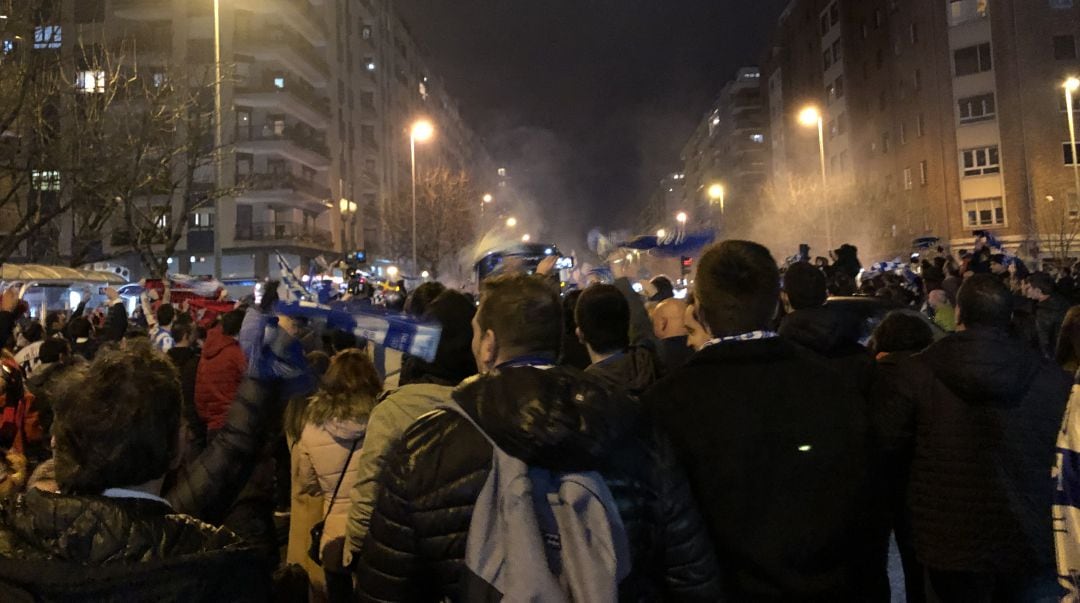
pixel 588 102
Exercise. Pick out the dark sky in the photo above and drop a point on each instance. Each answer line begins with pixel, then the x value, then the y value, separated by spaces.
pixel 587 101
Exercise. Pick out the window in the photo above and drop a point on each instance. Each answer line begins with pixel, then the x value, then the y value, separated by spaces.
pixel 974 109
pixel 90 82
pixel 924 173
pixel 833 131
pixel 826 58
pixel 162 221
pixel 824 23
pixel 245 163
pixel 1061 3
pixel 903 133
pixel 367 135
pixel 913 33
pixel 365 32
pixel 1069 156
pixel 1064 48
pixel 879 19
pixel 841 123
pixel 1064 104
pixel 277 167
pixel 837 52
pixel 916 80
pixel 920 125
pixel 276 124
pixel 981 162
pixel 838 86
pixel 47 36
pixel 909 183
pixel 885 139
pixel 243 123
pixel 973 59
pixel 367 101
pixel 834 13
pixel 45 180
pixel 7 46
pixel 757 138
pixel 157 78
pixel 369 63
pixel 984 212
pixel 202 219
pixel 279 82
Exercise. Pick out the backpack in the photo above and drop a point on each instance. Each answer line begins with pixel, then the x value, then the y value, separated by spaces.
pixel 543 536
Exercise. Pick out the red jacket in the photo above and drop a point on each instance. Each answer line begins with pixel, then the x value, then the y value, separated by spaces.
pixel 221 369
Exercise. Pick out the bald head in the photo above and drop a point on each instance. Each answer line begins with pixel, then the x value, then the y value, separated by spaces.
pixel 667 318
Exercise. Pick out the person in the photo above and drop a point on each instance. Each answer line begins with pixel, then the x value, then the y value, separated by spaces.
pixel 943 313
pixel 185 357
pixel 1068 344
pixel 222 366
pixel 161 332
pixel 573 352
pixel 28 356
pixel 696 336
pixel 603 318
pixel 1050 309
pixel 669 326
pixel 84 344
pixel 775 443
pixel 20 421
pixel 826 331
pixel 327 466
pixel 116 320
pixel 116 438
pixel 978 414
pixel 55 324
pixel 847 261
pixel 899 335
pixel 417 302
pixel 401 407
pixel 552 417
pixel 664 289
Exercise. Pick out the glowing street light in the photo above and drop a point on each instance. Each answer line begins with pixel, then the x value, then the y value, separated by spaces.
pixel 425 274
pixel 681 218
pixel 488 198
pixel 1071 86
pixel 392 271
pixel 421 131
pixel 660 234
pixel 511 222
pixel 810 117
pixel 716 194
pixel 525 238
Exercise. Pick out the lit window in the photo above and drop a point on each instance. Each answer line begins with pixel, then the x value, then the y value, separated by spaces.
pixel 369 63
pixel 45 180
pixel 984 212
pixel 423 91
pixel 157 78
pixel 162 221
pixel 47 36
pixel 7 46
pixel 924 176
pixel 909 183
pixel 90 82
pixel 758 138
pixel 279 82
pixel 365 32
pixel 977 108
pixel 981 162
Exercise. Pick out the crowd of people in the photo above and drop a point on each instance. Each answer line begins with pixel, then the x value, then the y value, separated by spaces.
pixel 755 441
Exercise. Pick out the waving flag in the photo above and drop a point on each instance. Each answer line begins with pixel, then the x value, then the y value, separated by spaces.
pixel 390 329
pixel 294 290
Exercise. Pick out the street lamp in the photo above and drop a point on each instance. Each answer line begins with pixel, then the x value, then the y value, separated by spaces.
pixel 425 275
pixel 660 234
pixel 511 222
pixel 421 131
pixel 348 217
pixel 716 194
pixel 681 218
pixel 525 238
pixel 810 117
pixel 392 271
pixel 1071 86
pixel 488 198
pixel 219 136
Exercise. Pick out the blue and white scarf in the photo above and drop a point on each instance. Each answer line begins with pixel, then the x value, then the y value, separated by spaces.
pixel 751 336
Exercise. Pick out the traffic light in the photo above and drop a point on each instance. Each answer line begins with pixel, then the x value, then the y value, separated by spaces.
pixel 687 264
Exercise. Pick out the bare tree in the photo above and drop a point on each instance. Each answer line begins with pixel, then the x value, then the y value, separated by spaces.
pixel 1059 227
pixel 445 220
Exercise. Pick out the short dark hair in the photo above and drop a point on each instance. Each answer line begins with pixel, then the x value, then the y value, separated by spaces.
pixel 231 323
pixel 805 286
pixel 901 332
pixel 118 421
pixel 737 287
pixel 523 311
pixel 984 301
pixel 33 332
pixel 1041 281
pixel 417 302
pixel 53 350
pixel 183 326
pixel 81 327
pixel 165 314
pixel 53 317
pixel 603 315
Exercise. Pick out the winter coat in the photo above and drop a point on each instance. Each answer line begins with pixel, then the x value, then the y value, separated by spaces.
pixel 835 336
pixel 323 454
pixel 116 322
pixel 634 371
pixel 186 361
pixel 222 366
pixel 674 352
pixel 396 411
pixel 978 412
pixel 775 444
pixel 305 510
pixel 57 547
pixel 1049 314
pixel 559 419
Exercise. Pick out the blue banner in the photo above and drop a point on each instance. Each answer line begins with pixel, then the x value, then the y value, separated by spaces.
pixel 390 329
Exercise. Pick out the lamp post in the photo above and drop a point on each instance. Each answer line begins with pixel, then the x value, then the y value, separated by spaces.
pixel 716 194
pixel 219 136
pixel 511 222
pixel 810 117
pixel 421 131
pixel 348 222
pixel 1071 86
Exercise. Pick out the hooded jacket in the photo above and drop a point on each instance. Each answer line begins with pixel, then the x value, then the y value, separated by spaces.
pixel 834 335
pixel 222 366
pixel 1049 314
pixel 558 419
pixel 978 412
pixel 634 370
pixel 91 548
pixel 323 457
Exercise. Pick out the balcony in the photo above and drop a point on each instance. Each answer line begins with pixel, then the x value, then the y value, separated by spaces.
pixel 299 14
pixel 300 144
pixel 271 184
pixel 295 98
pixel 292 233
pixel 288 48
pixel 143 10
pixel 200 239
pixel 963 11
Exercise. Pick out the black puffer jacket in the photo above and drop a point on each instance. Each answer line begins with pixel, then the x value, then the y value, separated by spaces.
pixel 559 419
pixel 979 413
pixel 834 335
pixel 90 548
pixel 633 371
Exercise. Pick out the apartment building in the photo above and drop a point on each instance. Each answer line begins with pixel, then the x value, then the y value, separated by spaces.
pixel 317 101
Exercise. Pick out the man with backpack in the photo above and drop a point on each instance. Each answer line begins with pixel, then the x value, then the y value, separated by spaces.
pixel 536 481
